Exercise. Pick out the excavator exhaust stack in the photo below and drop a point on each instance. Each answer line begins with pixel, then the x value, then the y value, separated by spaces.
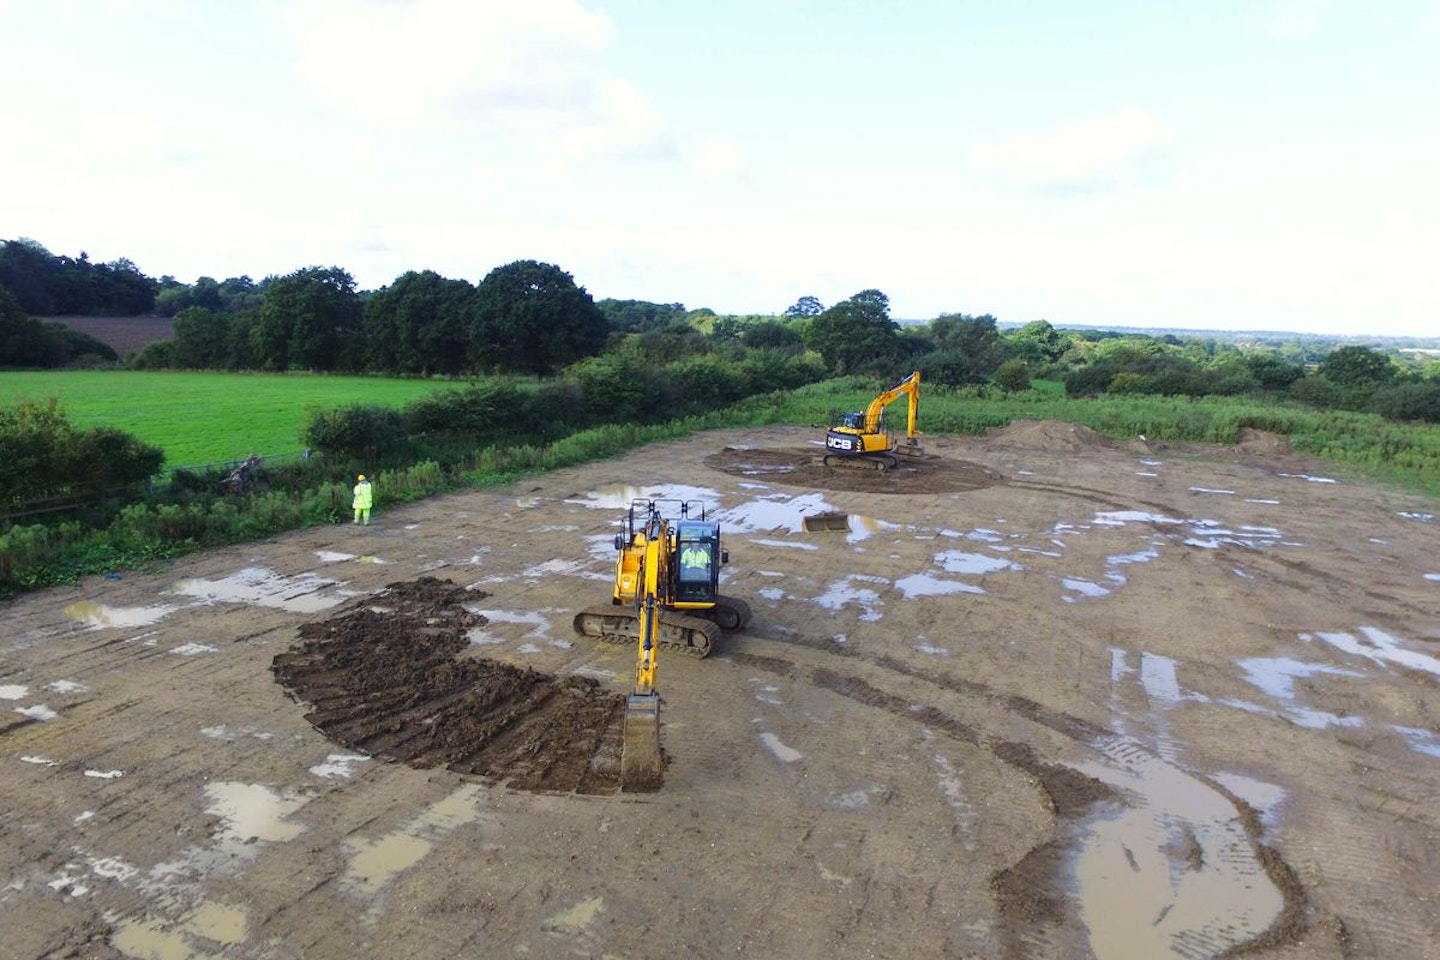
pixel 641 764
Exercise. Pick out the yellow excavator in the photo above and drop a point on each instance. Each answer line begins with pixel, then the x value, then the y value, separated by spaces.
pixel 666 595
pixel 861 440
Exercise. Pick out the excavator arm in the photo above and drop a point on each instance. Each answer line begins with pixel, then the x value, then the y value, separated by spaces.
pixel 908 387
pixel 641 763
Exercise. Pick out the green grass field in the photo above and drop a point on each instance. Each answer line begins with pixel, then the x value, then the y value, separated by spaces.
pixel 205 418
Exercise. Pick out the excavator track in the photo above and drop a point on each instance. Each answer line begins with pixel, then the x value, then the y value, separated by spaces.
pixel 881 462
pixel 729 613
pixel 678 632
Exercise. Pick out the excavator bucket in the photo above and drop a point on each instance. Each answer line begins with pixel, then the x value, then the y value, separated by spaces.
pixel 818 522
pixel 640 762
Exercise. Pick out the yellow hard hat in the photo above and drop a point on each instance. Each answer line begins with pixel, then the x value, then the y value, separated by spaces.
pixel 361 477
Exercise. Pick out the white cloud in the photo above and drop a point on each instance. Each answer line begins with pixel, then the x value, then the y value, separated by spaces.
pixel 1078 153
pixel 532 69
pixel 717 159
pixel 1292 19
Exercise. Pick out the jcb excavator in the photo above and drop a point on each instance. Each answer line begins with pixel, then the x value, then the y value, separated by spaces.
pixel 668 572
pixel 861 440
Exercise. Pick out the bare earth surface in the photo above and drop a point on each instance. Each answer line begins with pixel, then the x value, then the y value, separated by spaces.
pixel 1038 695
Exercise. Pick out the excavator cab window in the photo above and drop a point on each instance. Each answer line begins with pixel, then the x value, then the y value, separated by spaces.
pixel 698 575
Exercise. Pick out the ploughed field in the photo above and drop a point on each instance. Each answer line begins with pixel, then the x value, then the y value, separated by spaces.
pixel 1036 695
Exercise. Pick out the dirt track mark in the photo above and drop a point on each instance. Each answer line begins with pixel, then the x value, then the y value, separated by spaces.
pixel 1029 894
pixel 803 468
pixel 386 677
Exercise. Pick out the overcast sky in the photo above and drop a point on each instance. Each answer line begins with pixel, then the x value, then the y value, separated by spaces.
pixel 1270 165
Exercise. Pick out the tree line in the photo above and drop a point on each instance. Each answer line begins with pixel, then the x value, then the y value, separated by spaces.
pixel 528 318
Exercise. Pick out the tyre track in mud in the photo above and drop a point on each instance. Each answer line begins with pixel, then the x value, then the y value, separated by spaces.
pixel 1035 911
pixel 385 676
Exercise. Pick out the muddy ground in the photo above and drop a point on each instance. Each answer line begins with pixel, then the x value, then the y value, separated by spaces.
pixel 1041 695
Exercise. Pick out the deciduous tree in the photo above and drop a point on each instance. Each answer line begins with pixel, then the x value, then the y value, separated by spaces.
pixel 856 335
pixel 530 317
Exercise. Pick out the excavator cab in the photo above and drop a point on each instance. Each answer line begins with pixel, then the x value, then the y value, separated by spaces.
pixel 698 572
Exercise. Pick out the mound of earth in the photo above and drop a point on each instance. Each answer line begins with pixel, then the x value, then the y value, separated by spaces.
pixel 1263 442
pixel 388 676
pixel 805 467
pixel 1050 435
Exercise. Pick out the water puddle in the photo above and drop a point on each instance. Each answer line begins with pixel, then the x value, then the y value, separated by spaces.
pixel 1307 478
pixel 13 691
pixel 767 692
pixel 1211 490
pixel 1376 645
pixel 1119 518
pixel 65 686
pixel 149 939
pixel 782 753
pixel 1422 517
pixel 105 774
pixel 863 528
pixel 924 585
pixel 1085 588
pixel 38 711
pixel 251 813
pixel 565 568
pixel 620 495
pixel 1211 534
pixel 68 884
pixel 958 561
pixel 228 735
pixel 1276 676
pixel 1174 873
pixel 265 588
pixel 331 556
pixel 774 512
pixel 537 626
pixel 844 592
pixel 338 765
pixel 374 863
pixel 218 922
pixel 784 544
pixel 40 761
pixel 98 616
pixel 193 649
pixel 1423 741
pixel 159 940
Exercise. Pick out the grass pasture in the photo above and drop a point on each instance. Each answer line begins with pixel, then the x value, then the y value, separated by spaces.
pixel 204 418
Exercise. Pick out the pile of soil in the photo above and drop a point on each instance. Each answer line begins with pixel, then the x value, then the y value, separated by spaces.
pixel 1050 435
pixel 1263 443
pixel 388 676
